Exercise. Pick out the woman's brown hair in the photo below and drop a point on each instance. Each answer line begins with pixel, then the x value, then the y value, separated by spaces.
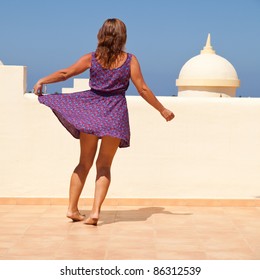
pixel 111 41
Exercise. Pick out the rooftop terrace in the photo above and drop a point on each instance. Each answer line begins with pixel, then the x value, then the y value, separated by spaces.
pixel 41 232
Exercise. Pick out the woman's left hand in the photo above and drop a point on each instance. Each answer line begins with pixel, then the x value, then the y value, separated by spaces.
pixel 167 114
pixel 37 89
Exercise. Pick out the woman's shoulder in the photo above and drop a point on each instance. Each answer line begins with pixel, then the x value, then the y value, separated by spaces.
pixel 133 58
pixel 131 55
pixel 87 57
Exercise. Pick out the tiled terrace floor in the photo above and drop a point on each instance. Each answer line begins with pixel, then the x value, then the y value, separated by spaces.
pixel 131 232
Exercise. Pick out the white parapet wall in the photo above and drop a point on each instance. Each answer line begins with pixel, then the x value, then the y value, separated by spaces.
pixel 210 150
pixel 78 85
pixel 12 80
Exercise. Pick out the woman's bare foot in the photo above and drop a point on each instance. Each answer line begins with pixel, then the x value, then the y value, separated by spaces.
pixel 75 216
pixel 91 221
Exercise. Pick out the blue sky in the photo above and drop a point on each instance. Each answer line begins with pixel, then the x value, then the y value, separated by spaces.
pixel 52 34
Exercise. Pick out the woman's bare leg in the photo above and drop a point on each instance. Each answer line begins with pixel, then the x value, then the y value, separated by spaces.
pixel 88 147
pixel 106 154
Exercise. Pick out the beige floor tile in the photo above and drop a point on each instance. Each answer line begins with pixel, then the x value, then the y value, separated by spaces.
pixel 55 212
pixel 132 226
pixel 13 228
pixel 30 208
pixel 256 251
pixel 80 256
pixel 130 232
pixel 3 252
pixel 40 249
pixel 89 230
pixel 248 228
pixel 206 210
pixel 25 215
pixel 242 211
pixel 173 218
pixel 180 255
pixel 218 234
pixel 32 256
pixel 247 222
pixel 212 217
pixel 175 233
pixel 49 229
pixel 130 254
pixel 9 240
pixel 130 242
pixel 87 239
pixel 253 239
pixel 88 249
pixel 222 244
pixel 6 208
pixel 52 221
pixel 19 220
pixel 231 255
pixel 178 244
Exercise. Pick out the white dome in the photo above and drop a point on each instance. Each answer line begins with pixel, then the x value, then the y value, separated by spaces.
pixel 208 66
pixel 207 74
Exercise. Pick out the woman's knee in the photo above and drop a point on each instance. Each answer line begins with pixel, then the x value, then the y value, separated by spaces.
pixel 106 154
pixel 103 168
pixel 88 146
pixel 86 161
pixel 84 166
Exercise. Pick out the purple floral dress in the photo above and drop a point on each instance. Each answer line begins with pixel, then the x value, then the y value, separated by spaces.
pixel 101 111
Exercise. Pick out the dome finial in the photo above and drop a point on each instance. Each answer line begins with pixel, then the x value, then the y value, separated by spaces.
pixel 208 48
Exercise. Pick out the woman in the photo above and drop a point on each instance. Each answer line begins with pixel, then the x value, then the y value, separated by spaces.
pixel 99 113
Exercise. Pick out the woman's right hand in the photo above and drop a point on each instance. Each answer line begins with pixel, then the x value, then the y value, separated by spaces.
pixel 37 89
pixel 167 114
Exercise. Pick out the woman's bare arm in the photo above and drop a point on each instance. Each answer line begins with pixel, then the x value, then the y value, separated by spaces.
pixel 61 75
pixel 145 92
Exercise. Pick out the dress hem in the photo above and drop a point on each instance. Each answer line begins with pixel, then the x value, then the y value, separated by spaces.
pixel 76 132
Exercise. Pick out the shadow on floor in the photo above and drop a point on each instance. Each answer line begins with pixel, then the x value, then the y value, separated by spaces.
pixel 134 215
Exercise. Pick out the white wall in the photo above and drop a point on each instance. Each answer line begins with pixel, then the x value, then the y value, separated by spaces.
pixel 78 85
pixel 210 150
pixel 13 80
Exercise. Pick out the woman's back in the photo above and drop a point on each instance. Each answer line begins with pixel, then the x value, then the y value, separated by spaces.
pixel 115 80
